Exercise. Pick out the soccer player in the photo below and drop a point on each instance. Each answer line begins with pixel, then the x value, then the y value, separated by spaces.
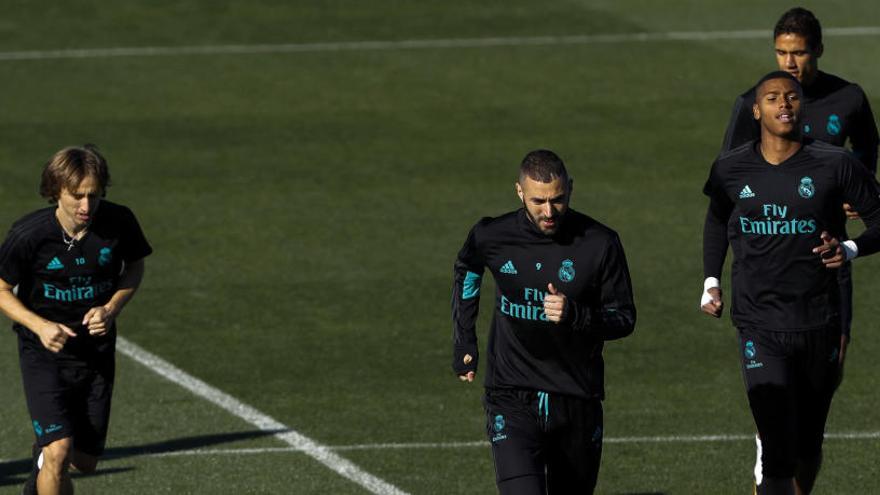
pixel 75 265
pixel 834 111
pixel 777 201
pixel 562 290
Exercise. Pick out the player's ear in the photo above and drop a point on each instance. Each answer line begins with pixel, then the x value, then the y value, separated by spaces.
pixel 570 186
pixel 519 192
pixel 756 112
pixel 819 51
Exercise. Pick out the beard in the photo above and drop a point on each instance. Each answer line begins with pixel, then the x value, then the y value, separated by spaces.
pixel 537 221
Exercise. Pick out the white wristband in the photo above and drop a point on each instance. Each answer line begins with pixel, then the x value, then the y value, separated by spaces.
pixel 709 283
pixel 850 249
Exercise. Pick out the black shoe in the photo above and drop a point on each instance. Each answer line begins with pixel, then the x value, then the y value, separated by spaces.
pixel 30 486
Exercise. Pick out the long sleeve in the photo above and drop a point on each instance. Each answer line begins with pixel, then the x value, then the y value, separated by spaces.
pixel 864 138
pixel 859 190
pixel 742 126
pixel 715 241
pixel 467 278
pixel 615 317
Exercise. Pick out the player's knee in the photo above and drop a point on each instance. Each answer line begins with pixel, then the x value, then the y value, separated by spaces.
pixel 84 463
pixel 778 467
pixel 522 485
pixel 809 460
pixel 56 455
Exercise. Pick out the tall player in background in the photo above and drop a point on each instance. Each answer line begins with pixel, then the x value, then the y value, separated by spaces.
pixel 563 289
pixel 835 111
pixel 75 265
pixel 777 202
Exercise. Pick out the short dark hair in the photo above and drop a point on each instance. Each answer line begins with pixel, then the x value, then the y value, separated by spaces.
pixel 776 74
pixel 802 22
pixel 542 166
pixel 68 167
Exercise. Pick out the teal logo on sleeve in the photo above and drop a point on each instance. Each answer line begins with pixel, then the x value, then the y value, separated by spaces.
pixel 807 128
pixel 566 272
pixel 471 285
pixel 833 127
pixel 37 428
pixel 806 188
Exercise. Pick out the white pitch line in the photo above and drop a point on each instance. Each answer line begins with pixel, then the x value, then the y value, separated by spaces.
pixel 870 435
pixel 352 46
pixel 865 435
pixel 317 451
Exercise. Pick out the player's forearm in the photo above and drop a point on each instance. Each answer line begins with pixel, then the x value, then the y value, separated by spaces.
pixel 128 285
pixel 465 309
pixel 464 343
pixel 605 323
pixel 715 245
pixel 865 139
pixel 866 153
pixel 869 242
pixel 13 308
pixel 466 286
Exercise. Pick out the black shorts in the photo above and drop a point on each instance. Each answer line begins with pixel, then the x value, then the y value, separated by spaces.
pixel 552 440
pixel 790 379
pixel 67 400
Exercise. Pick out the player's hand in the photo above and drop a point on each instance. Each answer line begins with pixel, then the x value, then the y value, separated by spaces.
pixel 53 335
pixel 464 361
pixel 554 304
pixel 830 251
pixel 469 376
pixel 711 303
pixel 850 213
pixel 98 320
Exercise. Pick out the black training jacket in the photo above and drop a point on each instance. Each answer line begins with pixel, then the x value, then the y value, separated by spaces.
pixel 584 260
pixel 773 216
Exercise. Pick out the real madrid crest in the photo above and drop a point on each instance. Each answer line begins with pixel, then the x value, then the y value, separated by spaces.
pixel 833 127
pixel 566 271
pixel 806 188
pixel 750 351
pixel 499 423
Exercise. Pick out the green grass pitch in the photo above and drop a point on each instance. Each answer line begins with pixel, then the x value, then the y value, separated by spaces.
pixel 306 207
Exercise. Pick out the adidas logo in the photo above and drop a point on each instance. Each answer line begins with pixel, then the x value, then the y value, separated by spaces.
pixel 746 193
pixel 508 268
pixel 55 264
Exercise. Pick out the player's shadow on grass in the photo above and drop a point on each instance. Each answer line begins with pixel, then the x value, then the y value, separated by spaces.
pixel 15 472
